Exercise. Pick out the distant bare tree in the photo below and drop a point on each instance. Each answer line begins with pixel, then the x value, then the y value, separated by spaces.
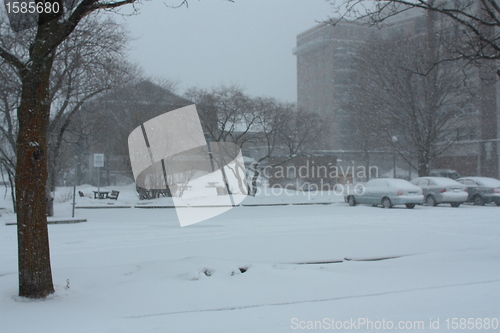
pixel 286 132
pixel 406 94
pixel 87 64
pixel 229 115
pixel 9 100
pixel 226 113
pixel 106 121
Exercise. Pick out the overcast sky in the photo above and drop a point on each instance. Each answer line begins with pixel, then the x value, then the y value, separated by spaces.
pixel 248 42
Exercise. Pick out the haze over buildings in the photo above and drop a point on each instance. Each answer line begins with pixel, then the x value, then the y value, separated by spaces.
pixel 216 42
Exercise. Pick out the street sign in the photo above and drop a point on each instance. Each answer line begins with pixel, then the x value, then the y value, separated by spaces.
pixel 98 160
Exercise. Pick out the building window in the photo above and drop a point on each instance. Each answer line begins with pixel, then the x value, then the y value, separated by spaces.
pixel 466 133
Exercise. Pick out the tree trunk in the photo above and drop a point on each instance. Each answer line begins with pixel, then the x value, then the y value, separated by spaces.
pixel 35 276
pixel 50 182
pixel 54 148
pixel 12 183
pixel 236 172
pixel 423 163
pixel 367 163
pixel 255 177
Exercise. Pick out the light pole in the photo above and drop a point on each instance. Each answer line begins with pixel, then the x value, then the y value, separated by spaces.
pixel 394 140
pixel 74 188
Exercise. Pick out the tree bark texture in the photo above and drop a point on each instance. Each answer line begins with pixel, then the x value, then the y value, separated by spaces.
pixel 35 276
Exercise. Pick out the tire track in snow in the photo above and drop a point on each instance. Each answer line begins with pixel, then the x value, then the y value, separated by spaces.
pixel 244 307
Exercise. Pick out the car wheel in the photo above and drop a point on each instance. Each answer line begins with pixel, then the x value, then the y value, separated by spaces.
pixel 410 206
pixel 478 200
pixel 386 203
pixel 455 204
pixel 431 201
pixel 351 200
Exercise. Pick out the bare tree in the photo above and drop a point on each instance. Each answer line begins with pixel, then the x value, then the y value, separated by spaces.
pixel 284 133
pixel 107 120
pixel 9 100
pixel 475 23
pixel 226 113
pixel 87 64
pixel 406 94
pixel 229 115
pixel 33 65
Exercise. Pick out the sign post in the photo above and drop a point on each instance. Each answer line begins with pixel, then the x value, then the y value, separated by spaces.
pixel 98 163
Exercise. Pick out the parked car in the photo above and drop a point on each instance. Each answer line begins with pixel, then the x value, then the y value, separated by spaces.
pixel 387 192
pixel 441 190
pixel 482 190
pixel 346 189
pixel 448 173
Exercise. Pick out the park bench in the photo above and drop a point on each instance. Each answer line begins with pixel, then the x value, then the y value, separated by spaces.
pixel 114 195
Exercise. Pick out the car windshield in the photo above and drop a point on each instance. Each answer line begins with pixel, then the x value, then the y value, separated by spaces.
pixel 401 183
pixel 376 183
pixel 489 182
pixel 444 181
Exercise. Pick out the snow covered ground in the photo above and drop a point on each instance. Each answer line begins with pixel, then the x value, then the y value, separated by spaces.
pixel 261 269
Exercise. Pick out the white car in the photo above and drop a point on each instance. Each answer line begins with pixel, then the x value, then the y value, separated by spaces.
pixel 387 192
pixel 441 190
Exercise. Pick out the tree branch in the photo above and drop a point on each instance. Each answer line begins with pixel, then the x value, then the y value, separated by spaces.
pixel 11 59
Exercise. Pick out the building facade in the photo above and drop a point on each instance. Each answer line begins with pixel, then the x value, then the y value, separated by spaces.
pixel 324 73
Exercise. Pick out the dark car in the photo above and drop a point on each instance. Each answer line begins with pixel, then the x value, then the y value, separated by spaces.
pixel 482 190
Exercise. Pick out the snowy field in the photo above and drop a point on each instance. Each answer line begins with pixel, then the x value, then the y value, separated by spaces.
pixel 261 269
